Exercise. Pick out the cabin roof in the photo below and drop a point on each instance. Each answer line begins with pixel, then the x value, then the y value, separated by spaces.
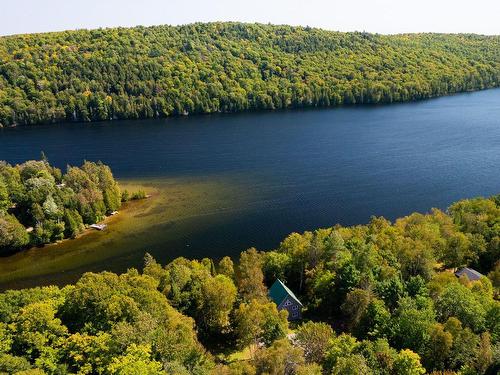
pixel 471 274
pixel 280 291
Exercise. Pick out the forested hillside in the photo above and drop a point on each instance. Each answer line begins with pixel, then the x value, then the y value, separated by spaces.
pixel 159 71
pixel 378 299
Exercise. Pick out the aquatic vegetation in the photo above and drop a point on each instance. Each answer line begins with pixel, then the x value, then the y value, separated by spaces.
pixel 160 225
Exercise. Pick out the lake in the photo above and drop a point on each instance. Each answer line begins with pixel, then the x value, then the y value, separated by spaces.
pixel 223 183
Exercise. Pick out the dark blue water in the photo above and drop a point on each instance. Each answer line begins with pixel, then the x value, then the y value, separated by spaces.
pixel 304 168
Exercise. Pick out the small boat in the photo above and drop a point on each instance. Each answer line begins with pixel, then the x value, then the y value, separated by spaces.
pixel 113 213
pixel 98 226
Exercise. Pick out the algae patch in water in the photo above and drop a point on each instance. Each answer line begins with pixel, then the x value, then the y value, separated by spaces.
pixel 176 209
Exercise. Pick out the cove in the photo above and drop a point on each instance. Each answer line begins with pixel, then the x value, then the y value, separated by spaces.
pixel 223 183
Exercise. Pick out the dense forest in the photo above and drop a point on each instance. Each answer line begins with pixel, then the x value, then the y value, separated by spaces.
pixel 379 298
pixel 39 204
pixel 146 72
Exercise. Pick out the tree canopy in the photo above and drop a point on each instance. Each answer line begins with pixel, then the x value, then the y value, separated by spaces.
pixel 378 299
pixel 39 205
pixel 146 72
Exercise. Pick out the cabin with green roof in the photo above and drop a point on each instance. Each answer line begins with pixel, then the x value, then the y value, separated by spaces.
pixel 285 299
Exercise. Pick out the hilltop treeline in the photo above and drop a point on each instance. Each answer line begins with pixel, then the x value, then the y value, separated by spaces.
pixel 146 72
pixel 379 298
pixel 39 204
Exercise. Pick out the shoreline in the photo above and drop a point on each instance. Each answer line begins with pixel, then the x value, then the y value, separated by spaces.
pixel 108 220
pixel 158 225
pixel 247 111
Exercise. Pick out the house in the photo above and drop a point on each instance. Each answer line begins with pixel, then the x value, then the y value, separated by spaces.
pixel 471 274
pixel 285 299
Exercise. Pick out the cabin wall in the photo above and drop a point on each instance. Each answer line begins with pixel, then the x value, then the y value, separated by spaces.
pixel 293 308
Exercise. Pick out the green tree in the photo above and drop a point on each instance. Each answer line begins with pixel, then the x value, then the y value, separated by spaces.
pixel 408 363
pixel 101 175
pixel 341 346
pixel 493 321
pixel 457 251
pixel 84 353
pixel 280 358
pixel 459 301
pixel 73 223
pixel 256 321
pixel 135 361
pixel 375 322
pixel 314 338
pixel 355 305
pixel 353 364
pixel 484 354
pixel 37 328
pixel 5 338
pixel 226 267
pixel 464 347
pixel 13 235
pixel 276 266
pixel 10 364
pixel 438 348
pixel 4 195
pixel 411 324
pixel 250 277
pixel 218 298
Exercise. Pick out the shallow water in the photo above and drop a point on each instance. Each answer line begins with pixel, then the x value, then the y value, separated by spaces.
pixel 223 183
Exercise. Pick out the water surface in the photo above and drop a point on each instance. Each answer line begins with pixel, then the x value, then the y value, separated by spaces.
pixel 226 182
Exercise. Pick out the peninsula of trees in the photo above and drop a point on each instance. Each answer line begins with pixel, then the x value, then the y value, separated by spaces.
pixel 39 205
pixel 147 72
pixel 379 298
